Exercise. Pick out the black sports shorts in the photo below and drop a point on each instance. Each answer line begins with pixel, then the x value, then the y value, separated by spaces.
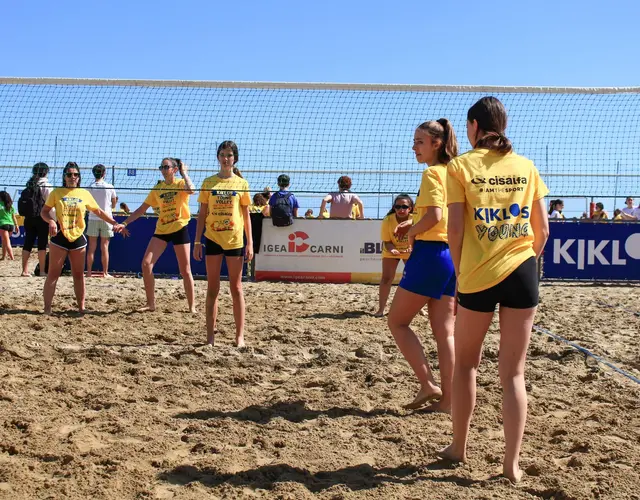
pixel 60 240
pixel 179 237
pixel 212 248
pixel 519 290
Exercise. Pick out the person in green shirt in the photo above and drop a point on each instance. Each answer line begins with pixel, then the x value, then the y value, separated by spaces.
pixel 8 224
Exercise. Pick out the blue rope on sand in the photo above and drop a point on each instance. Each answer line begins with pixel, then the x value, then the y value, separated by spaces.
pixel 586 352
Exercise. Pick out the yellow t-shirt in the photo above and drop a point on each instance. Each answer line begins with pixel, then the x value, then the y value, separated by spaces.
pixel 224 197
pixel 600 215
pixel 389 224
pixel 498 192
pixel 172 202
pixel 71 205
pixel 433 193
pixel 355 211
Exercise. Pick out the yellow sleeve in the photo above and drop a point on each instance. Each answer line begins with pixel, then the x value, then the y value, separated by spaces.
pixel 433 188
pixel 152 199
pixel 203 195
pixel 245 198
pixel 541 189
pixel 52 199
pixel 90 201
pixel 385 230
pixel 455 184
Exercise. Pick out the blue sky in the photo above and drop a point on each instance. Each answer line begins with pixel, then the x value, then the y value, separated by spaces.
pixel 558 43
pixel 507 43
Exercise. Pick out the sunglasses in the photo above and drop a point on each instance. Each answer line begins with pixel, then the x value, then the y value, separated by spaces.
pixel 72 174
pixel 401 207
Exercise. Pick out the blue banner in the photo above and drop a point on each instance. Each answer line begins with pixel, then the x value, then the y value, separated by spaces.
pixel 125 254
pixel 607 251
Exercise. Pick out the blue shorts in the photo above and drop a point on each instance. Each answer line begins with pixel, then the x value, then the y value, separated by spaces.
pixel 429 270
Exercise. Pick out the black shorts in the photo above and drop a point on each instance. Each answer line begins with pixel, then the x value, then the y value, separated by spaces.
pixel 60 240
pixel 212 248
pixel 35 227
pixel 519 290
pixel 180 237
pixel 7 227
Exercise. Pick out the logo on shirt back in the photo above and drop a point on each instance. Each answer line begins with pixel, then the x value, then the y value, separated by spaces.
pixel 494 222
pixel 500 183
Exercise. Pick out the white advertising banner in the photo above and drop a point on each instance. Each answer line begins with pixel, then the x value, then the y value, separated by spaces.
pixel 316 250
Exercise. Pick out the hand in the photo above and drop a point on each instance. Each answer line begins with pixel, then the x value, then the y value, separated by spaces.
pixel 197 252
pixel 183 168
pixel 16 230
pixel 412 240
pixel 248 253
pixel 402 228
pixel 53 228
pixel 394 251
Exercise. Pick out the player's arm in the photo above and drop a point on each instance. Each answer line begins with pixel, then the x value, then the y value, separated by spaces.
pixel 323 205
pixel 540 225
pixel 197 242
pixel 455 233
pixel 247 231
pixel 432 216
pixel 136 214
pixel 114 200
pixel 183 168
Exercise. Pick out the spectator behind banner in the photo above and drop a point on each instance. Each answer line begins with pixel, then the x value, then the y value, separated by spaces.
pixel 555 209
pixel 124 208
pixel 617 215
pixel 259 205
pixel 8 224
pixel 308 214
pixel 629 213
pixel 600 213
pixel 106 198
pixel 342 202
pixel 283 204
pixel 30 205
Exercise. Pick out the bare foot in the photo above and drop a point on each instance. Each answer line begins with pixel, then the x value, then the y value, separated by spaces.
pixel 47 312
pixel 211 340
pixel 193 310
pixel 378 314
pixel 106 275
pixel 26 275
pixel 514 476
pixel 423 398
pixel 240 341
pixel 438 407
pixel 450 454
pixel 146 309
pixel 89 275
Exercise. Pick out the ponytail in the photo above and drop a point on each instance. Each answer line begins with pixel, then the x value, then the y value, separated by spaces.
pixel 495 141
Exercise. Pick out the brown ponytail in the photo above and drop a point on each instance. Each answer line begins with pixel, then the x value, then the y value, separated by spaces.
pixel 443 130
pixel 491 117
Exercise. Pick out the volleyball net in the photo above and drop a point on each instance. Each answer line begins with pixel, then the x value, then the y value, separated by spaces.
pixel 585 142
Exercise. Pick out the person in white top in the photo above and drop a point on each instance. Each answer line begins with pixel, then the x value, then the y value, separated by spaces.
pixel 105 196
pixel 555 209
pixel 629 212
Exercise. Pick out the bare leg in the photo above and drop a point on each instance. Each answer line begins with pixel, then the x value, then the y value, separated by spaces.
pixel 6 244
pixel 214 264
pixel 56 261
pixel 389 267
pixel 183 254
pixel 104 249
pixel 234 264
pixel 77 258
pixel 93 243
pixel 404 308
pixel 442 324
pixel 25 263
pixel 515 333
pixel 42 259
pixel 154 250
pixel 470 329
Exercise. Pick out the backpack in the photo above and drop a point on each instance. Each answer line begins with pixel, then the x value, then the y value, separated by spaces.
pixel 31 201
pixel 281 210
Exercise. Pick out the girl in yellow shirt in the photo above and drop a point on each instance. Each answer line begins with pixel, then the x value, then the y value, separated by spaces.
pixel 497 230
pixel 428 277
pixel 224 212
pixel 395 247
pixel 71 203
pixel 171 197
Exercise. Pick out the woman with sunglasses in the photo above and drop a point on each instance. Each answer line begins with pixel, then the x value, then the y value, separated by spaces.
pixel 224 219
pixel 428 276
pixel 67 233
pixel 395 247
pixel 171 197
